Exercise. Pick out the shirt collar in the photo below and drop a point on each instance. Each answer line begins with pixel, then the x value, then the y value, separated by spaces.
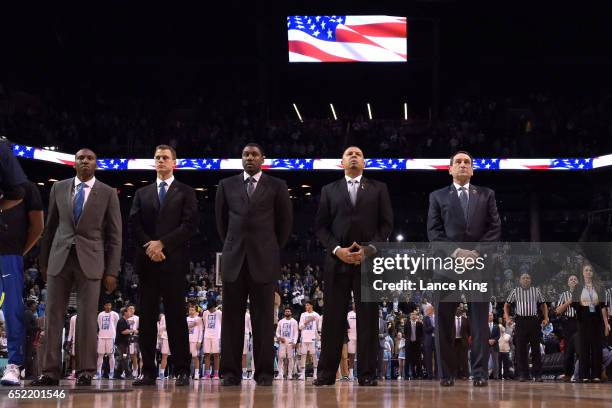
pixel 255 176
pixel 89 183
pixel 168 181
pixel 358 178
pixel 457 186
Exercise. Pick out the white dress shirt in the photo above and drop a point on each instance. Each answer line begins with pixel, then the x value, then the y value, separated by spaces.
pixel 89 183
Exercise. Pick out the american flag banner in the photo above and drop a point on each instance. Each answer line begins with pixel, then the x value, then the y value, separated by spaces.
pixel 572 164
pixel 347 38
pixel 292 164
pixel 112 164
pixel 486 164
pixel 385 164
pixel 22 151
pixel 199 164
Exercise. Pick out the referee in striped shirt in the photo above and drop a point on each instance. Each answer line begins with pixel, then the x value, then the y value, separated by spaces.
pixel 528 331
pixel 567 315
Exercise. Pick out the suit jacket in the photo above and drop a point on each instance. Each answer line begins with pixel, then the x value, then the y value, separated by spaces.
pixel 253 229
pixel 428 331
pixel 97 236
pixel 338 223
pixel 174 223
pixel 446 222
pixel 408 332
pixel 494 334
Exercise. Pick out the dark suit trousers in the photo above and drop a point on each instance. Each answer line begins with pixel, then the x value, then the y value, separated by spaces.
pixel 58 294
pixel 261 307
pixel 155 281
pixel 338 288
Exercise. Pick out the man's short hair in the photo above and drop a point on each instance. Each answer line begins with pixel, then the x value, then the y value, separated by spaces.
pixel 252 144
pixel 167 147
pixel 460 152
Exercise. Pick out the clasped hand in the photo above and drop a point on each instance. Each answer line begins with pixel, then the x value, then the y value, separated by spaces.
pixel 154 251
pixel 352 255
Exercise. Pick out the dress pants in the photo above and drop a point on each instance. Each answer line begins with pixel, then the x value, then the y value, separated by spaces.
pixel 58 295
pixel 158 280
pixel 338 288
pixel 261 299
pixel 528 333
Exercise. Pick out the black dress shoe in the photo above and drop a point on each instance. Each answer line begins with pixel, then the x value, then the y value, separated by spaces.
pixel 538 379
pixel 44 381
pixel 144 381
pixel 368 382
pixel 230 381
pixel 182 380
pixel 322 381
pixel 83 379
pixel 447 382
pixel 265 382
pixel 480 382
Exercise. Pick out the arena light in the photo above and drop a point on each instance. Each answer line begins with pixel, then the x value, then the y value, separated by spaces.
pixel 128 184
pixel 305 186
pixel 298 112
pixel 331 105
pixel 369 112
pixel 405 111
pixel 399 238
pixel 52 180
pixel 41 184
pixel 308 193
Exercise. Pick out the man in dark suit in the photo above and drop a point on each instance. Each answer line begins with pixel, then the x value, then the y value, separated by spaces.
pixel 352 211
pixel 494 334
pixel 254 219
pixel 163 218
pixel 413 331
pixel 81 246
pixel 466 214
pixel 429 326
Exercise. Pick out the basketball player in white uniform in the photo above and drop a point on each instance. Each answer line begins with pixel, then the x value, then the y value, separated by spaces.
pixel 212 339
pixel 134 322
pixel 248 329
pixel 287 335
pixel 309 327
pixel 107 328
pixel 194 328
pixel 164 347
pixel 351 319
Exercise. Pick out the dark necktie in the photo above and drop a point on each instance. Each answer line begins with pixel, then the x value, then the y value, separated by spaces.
pixel 250 186
pixel 79 201
pixel 463 198
pixel 162 192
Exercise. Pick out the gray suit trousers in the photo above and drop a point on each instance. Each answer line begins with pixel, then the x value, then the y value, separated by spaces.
pixel 88 293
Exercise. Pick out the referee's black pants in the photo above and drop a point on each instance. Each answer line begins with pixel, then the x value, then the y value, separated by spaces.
pixel 569 333
pixel 528 334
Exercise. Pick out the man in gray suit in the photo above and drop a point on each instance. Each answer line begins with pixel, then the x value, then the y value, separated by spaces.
pixel 81 246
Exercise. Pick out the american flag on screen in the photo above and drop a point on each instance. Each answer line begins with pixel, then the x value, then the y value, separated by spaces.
pixel 347 38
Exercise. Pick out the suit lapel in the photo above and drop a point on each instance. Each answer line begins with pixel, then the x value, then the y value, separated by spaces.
pixel 259 189
pixel 68 199
pixel 454 201
pixel 343 187
pixel 473 201
pixel 90 203
pixel 361 191
pixel 169 195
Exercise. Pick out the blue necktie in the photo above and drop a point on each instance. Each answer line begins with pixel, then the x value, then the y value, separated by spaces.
pixel 162 192
pixel 79 200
